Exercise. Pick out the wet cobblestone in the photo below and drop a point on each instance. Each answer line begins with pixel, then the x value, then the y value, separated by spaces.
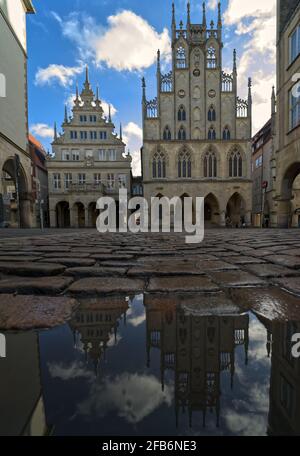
pixel 85 263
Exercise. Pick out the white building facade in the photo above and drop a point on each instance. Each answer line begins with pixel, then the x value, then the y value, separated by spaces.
pixel 88 162
pixel 16 206
pixel 197 131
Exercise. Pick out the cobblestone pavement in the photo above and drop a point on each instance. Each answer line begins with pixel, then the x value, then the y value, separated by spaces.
pixel 56 270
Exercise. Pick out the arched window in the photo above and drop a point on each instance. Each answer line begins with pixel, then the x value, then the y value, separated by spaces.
pixel 182 134
pixel 159 165
pixel 211 58
pixel 235 164
pixel 211 134
pixel 167 134
pixel 211 114
pixel 181 114
pixel 180 57
pixel 226 134
pixel 210 164
pixel 184 164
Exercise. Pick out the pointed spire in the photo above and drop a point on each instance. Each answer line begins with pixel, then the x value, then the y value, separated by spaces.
pixel 249 90
pixel 77 92
pixel 204 15
pixel 66 114
pixel 273 101
pixel 109 113
pixel 144 88
pixel 97 93
pixel 219 16
pixel 188 14
pixel 234 62
pixel 173 15
pixel 87 85
pixel 158 61
pixel 173 23
pixel 121 132
pixel 55 131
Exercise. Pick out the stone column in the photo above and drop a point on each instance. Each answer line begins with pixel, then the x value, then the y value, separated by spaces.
pixel 53 222
pixel 25 213
pixel 86 212
pixel 222 219
pixel 283 214
pixel 1 209
pixel 248 218
pixel 73 218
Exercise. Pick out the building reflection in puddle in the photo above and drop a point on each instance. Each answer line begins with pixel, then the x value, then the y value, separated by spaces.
pixel 181 353
pixel 284 411
pixel 197 348
pixel 22 409
pixel 95 326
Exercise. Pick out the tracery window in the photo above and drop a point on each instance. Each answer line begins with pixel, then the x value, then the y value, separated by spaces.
pixel 159 165
pixel 226 134
pixel 235 164
pixel 167 134
pixel 184 164
pixel 210 164
pixel 182 134
pixel 211 134
pixel 181 57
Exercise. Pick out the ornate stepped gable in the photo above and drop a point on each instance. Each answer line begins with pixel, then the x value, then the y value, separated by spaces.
pixel 88 104
pixel 197 66
pixel 197 128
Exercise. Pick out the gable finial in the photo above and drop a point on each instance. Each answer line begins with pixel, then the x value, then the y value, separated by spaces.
pixel 144 88
pixel 66 114
pixel 55 131
pixel 204 15
pixel 234 61
pixel 219 16
pixel 273 102
pixel 109 113
pixel 121 131
pixel 249 90
pixel 173 14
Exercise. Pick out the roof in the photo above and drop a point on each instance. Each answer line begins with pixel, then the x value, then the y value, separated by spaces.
pixel 29 6
pixel 37 144
pixel 266 128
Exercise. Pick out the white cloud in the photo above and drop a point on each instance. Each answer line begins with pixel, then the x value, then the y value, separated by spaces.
pixel 256 22
pixel 57 73
pixel 212 4
pixel 105 106
pixel 74 370
pixel 133 137
pixel 132 396
pixel 42 130
pixel 128 42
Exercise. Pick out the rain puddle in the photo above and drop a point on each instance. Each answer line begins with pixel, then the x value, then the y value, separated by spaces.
pixel 141 366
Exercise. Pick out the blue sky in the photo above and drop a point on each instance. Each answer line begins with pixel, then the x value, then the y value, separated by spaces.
pixel 118 39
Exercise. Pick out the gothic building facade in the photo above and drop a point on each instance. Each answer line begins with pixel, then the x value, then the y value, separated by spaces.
pixel 88 162
pixel 197 131
pixel 285 163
